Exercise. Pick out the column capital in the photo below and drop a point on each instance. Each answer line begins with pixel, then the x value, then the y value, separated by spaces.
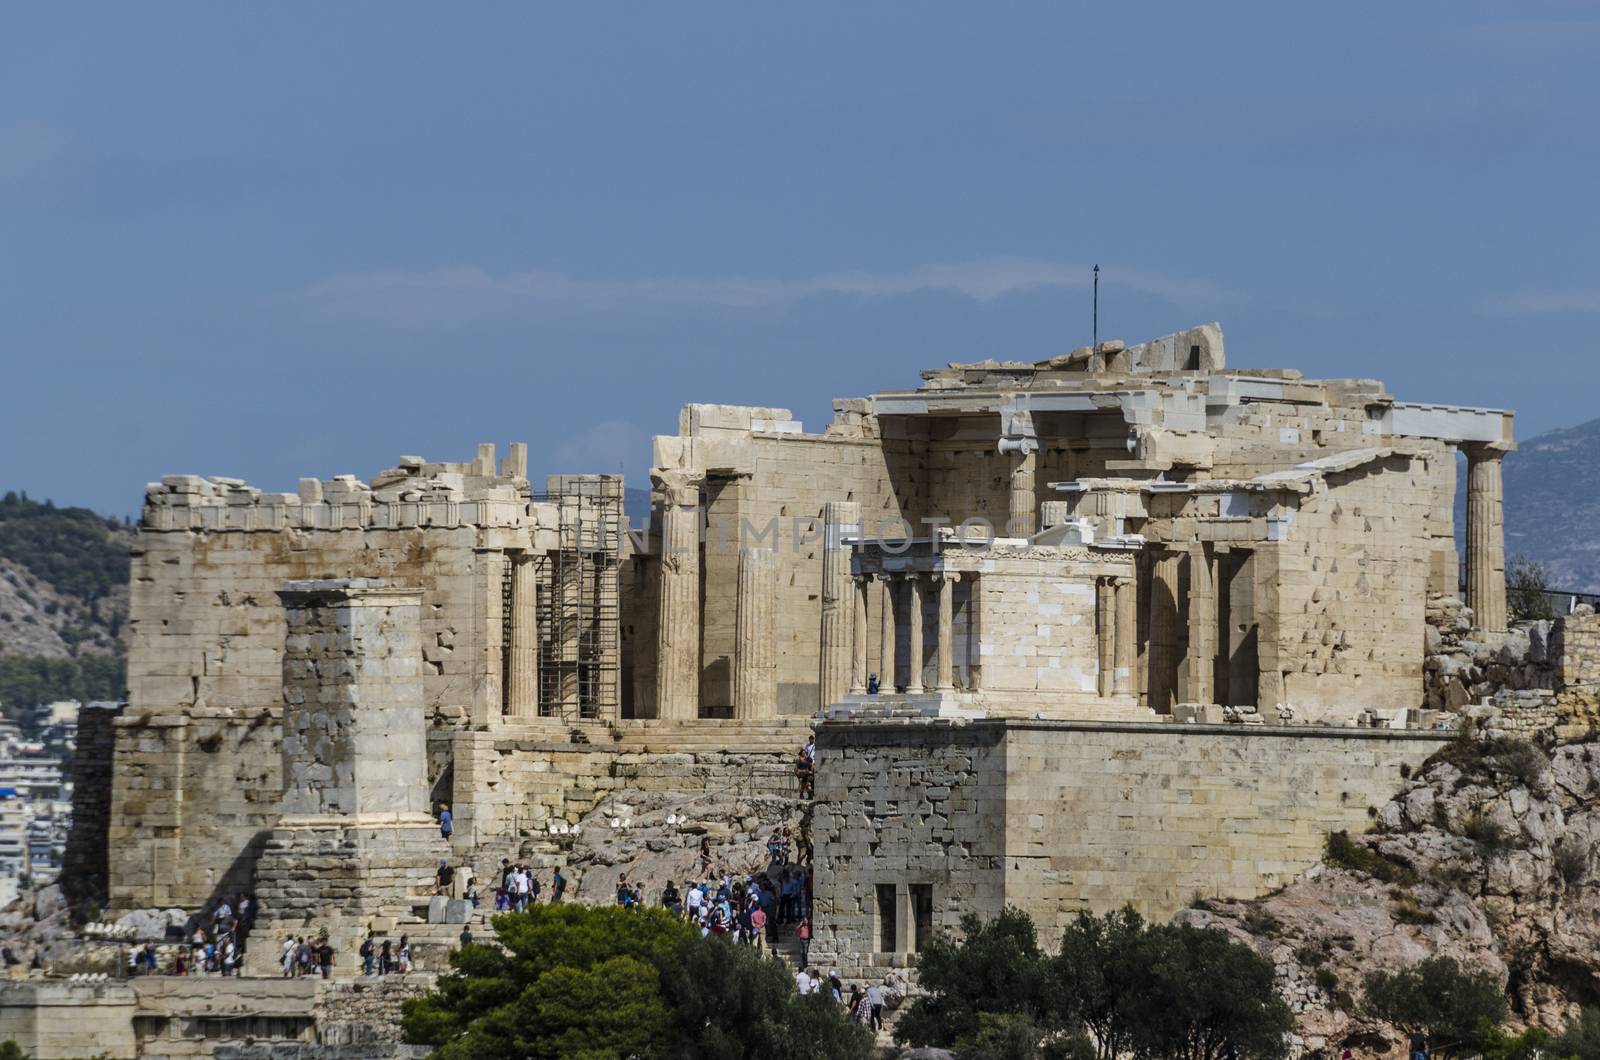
pixel 680 488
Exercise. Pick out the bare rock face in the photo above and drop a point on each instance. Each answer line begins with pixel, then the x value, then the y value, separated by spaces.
pixel 1490 855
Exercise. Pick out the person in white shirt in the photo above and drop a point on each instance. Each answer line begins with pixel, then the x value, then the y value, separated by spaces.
pixel 803 981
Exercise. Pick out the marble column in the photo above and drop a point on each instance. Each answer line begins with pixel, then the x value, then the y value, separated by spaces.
pixel 946 582
pixel 841 520
pixel 914 634
pixel 755 675
pixel 1486 543
pixel 678 623
pixel 858 638
pixel 1023 518
pixel 1162 655
pixel 523 698
pixel 1202 626
pixel 886 681
pixel 1105 634
pixel 1127 648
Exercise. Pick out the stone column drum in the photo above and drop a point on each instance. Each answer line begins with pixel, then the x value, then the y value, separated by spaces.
pixel 1486 544
pixel 886 662
pixel 755 675
pixel 841 520
pixel 914 639
pixel 678 623
pixel 523 700
pixel 858 638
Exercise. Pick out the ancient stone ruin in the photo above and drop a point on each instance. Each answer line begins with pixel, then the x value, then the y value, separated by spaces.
pixel 1122 625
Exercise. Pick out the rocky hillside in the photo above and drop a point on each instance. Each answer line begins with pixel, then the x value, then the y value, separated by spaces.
pixel 63 602
pixel 1552 497
pixel 1488 855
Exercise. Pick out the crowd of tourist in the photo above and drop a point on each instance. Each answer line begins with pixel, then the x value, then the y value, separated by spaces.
pixel 214 950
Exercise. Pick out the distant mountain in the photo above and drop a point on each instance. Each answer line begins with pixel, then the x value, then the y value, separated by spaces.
pixel 1552 505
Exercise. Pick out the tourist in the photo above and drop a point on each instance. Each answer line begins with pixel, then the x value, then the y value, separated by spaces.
pixel 758 924
pixel 230 956
pixel 404 955
pixel 179 965
pixel 472 891
pixel 692 903
pixel 803 930
pixel 875 999
pixel 774 847
pixel 872 685
pixel 367 954
pixel 801 980
pixel 835 987
pixel 305 956
pixel 558 885
pixel 705 855
pixel 466 935
pixel 325 957
pixel 533 886
pixel 446 822
pixel 446 876
pixel 669 901
pixel 803 773
pixel 289 950
pixel 624 893
pixel 385 958
pixel 860 1009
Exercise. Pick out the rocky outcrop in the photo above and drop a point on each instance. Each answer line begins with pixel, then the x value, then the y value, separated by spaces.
pixel 1489 855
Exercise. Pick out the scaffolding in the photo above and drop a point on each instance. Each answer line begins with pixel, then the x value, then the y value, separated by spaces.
pixel 578 601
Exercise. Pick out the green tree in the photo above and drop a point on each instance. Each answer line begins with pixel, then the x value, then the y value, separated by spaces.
pixel 996 968
pixel 1581 1038
pixel 1455 1009
pixel 588 982
pixel 1100 967
pixel 1203 996
pixel 10 1050
pixel 1527 582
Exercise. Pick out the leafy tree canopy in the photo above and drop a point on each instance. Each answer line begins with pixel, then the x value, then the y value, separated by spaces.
pixel 593 982
pixel 71 548
pixel 1454 1008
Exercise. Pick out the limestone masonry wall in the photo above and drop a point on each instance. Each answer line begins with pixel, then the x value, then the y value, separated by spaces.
pixel 1058 817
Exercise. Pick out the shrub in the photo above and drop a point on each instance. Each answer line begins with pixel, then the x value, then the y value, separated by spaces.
pixel 1342 852
pixel 1527 581
pixel 1483 830
pixel 1326 981
pixel 1571 857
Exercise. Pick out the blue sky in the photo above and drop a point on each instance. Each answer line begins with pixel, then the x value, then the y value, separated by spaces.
pixel 279 240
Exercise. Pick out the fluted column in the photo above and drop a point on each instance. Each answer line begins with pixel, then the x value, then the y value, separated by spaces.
pixel 1202 626
pixel 886 682
pixel 1163 652
pixel 1486 543
pixel 678 626
pixel 914 634
pixel 1127 648
pixel 523 698
pixel 858 637
pixel 946 584
pixel 755 675
pixel 840 520
pixel 1024 514
pixel 1105 634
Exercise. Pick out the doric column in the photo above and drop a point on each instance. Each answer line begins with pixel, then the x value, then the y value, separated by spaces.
pixel 914 638
pixel 858 636
pixel 840 520
pixel 1202 626
pixel 523 698
pixel 1127 648
pixel 678 622
pixel 946 582
pixel 1024 518
pixel 1486 543
pixel 488 615
pixel 755 675
pixel 886 682
pixel 1105 634
pixel 1163 651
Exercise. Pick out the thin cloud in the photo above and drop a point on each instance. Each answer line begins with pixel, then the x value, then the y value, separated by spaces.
pixel 1536 302
pixel 470 292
